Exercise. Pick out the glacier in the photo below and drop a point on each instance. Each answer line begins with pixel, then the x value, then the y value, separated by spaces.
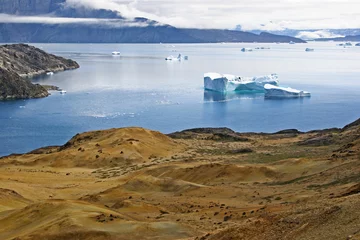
pixel 272 91
pixel 227 82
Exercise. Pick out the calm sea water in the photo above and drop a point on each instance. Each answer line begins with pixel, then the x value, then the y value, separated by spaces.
pixel 140 88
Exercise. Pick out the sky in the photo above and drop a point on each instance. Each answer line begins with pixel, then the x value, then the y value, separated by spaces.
pixel 266 15
pixel 250 14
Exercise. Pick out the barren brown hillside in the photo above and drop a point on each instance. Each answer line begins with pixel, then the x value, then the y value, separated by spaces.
pixel 207 184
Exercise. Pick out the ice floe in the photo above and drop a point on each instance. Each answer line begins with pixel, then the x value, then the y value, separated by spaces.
pixel 272 91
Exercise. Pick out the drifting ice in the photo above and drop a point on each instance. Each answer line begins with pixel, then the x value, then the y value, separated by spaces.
pixel 172 58
pixel 246 50
pixel 226 82
pixel 178 58
pixel 272 91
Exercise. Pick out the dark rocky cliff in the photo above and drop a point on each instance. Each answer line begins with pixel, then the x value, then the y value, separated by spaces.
pixel 27 60
pixel 12 86
pixel 19 61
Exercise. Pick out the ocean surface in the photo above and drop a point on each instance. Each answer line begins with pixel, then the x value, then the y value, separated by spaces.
pixel 140 88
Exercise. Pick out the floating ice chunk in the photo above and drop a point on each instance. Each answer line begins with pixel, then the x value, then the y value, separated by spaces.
pixel 291 42
pixel 178 58
pixel 272 91
pixel 115 53
pixel 246 50
pixel 172 58
pixel 262 48
pixel 49 73
pixel 358 44
pixel 309 50
pixel 227 83
pixel 348 44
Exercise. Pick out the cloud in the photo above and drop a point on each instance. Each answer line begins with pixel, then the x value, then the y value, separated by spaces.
pixel 250 14
pixel 5 18
pixel 226 14
pixel 308 35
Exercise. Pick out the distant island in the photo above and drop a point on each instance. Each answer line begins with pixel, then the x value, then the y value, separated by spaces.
pixel 20 61
pixel 105 26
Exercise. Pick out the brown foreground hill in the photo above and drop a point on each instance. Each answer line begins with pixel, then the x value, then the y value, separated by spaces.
pixel 207 184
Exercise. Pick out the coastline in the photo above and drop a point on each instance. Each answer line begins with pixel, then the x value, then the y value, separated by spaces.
pixel 19 62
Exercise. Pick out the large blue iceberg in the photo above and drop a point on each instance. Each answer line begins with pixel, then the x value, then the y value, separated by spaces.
pixel 227 83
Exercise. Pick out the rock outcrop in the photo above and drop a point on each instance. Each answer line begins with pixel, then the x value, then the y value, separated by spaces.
pixel 12 86
pixel 18 61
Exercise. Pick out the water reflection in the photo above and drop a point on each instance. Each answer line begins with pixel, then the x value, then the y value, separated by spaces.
pixel 211 96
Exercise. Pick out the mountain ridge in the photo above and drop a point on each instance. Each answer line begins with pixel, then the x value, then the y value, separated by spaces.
pixel 107 27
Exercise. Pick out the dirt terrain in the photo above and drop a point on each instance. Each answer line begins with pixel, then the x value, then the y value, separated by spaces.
pixel 204 184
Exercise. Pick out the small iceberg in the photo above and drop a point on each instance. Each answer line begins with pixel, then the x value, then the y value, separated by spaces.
pixel 228 83
pixel 262 48
pixel 172 58
pixel 349 44
pixel 309 49
pixel 357 45
pixel 246 50
pixel 291 42
pixel 272 91
pixel 115 53
pixel 62 92
pixel 50 73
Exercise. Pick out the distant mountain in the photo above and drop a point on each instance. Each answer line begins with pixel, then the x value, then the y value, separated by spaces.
pixel 106 26
pixel 80 33
pixel 213 35
pixel 342 39
pixel 311 34
pixel 30 7
pixel 55 7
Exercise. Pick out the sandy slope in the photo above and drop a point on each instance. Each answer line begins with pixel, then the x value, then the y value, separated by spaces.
pixel 135 183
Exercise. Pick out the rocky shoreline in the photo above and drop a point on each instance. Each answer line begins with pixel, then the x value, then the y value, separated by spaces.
pixel 18 62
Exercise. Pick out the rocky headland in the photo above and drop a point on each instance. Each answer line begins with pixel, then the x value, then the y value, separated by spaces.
pixel 18 62
pixel 198 184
